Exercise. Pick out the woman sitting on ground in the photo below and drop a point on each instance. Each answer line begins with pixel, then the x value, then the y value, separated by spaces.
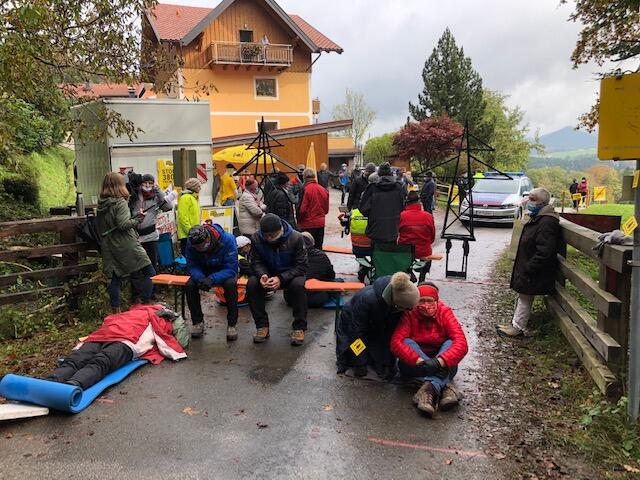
pixel 430 343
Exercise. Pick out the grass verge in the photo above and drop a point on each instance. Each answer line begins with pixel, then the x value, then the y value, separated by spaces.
pixel 547 414
pixel 624 210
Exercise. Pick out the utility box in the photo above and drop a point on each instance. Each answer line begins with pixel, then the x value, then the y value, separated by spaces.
pixel 166 126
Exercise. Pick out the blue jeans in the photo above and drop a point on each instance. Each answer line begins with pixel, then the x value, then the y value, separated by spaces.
pixel 418 370
pixel 140 281
pixel 229 202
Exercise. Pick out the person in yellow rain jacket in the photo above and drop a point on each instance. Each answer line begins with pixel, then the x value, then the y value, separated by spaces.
pixel 228 187
pixel 188 210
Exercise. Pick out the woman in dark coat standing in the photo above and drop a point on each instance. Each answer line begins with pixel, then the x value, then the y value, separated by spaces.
pixel 382 203
pixel 536 261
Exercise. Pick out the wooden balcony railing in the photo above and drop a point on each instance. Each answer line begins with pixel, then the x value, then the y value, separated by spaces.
pixel 241 53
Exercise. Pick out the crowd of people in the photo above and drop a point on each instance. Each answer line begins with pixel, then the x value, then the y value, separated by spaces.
pixel 390 326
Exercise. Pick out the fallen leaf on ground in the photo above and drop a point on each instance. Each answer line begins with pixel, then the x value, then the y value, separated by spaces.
pixel 327 408
pixel 191 411
pixel 448 461
pixel 105 400
pixel 262 425
pixel 631 469
pixel 499 456
pixel 239 412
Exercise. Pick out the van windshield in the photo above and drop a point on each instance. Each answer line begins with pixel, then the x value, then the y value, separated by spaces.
pixel 485 185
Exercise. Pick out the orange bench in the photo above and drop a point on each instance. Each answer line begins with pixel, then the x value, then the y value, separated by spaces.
pixel 173 281
pixel 340 288
pixel 333 249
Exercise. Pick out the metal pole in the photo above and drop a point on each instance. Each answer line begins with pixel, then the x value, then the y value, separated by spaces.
pixel 634 328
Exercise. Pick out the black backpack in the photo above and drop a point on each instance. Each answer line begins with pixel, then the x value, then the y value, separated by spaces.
pixel 90 233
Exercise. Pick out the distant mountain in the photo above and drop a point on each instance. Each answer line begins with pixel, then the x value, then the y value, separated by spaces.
pixel 567 139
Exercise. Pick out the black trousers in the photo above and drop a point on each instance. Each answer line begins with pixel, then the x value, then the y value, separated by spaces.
pixel 92 362
pixel 230 294
pixel 152 252
pixel 294 293
pixel 318 236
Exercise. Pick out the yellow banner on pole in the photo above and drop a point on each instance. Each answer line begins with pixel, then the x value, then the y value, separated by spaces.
pixel 600 194
pixel 165 174
pixel 630 225
pixel 636 179
pixel 223 216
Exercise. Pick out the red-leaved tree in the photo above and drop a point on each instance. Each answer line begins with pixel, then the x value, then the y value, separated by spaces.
pixel 428 140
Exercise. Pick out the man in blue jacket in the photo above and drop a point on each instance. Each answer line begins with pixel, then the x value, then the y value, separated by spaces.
pixel 212 260
pixel 279 261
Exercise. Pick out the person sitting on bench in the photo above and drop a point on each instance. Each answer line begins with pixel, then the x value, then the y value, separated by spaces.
pixel 149 332
pixel 370 318
pixel 212 259
pixel 320 268
pixel 430 343
pixel 279 261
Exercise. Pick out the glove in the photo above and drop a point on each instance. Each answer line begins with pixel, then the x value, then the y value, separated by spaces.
pixel 432 367
pixel 205 284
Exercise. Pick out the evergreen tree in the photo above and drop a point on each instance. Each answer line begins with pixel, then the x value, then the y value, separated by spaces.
pixel 452 87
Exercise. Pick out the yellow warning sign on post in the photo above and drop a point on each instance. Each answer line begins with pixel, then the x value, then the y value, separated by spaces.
pixel 619 118
pixel 223 216
pixel 165 174
pixel 630 225
pixel 358 347
pixel 600 194
pixel 636 179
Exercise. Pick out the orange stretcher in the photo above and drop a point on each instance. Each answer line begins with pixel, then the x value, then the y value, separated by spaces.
pixel 340 288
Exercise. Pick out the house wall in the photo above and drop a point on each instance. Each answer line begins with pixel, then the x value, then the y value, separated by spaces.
pixel 234 106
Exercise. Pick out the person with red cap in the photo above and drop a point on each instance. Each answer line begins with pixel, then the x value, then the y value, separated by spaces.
pixel 430 343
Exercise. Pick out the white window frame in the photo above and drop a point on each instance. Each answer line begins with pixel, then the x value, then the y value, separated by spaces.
pixel 255 88
pixel 266 120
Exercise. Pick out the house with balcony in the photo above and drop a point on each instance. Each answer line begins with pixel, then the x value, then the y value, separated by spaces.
pixel 257 58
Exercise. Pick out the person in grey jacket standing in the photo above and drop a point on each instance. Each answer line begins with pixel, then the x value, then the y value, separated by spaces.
pixel 152 201
pixel 251 208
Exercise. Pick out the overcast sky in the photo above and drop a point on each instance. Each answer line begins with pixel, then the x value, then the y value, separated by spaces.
pixel 519 47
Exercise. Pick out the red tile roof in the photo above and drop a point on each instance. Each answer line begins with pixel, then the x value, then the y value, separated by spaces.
pixel 104 90
pixel 174 22
pixel 324 43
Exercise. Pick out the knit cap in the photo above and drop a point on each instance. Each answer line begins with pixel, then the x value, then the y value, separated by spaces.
pixel 403 293
pixel 192 184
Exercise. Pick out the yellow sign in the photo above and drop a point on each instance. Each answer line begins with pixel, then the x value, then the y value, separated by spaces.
pixel 636 179
pixel 619 118
pixel 358 347
pixel 455 196
pixel 600 194
pixel 165 174
pixel 630 225
pixel 223 216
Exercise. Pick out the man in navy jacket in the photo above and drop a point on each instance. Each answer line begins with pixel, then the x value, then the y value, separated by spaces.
pixel 279 261
pixel 212 260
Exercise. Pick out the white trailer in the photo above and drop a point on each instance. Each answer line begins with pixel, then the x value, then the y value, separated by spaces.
pixel 167 126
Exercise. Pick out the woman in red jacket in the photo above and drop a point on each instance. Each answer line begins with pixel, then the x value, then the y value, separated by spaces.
pixel 416 226
pixel 430 343
pixel 313 207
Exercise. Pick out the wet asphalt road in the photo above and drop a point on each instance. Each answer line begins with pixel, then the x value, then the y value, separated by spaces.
pixel 266 411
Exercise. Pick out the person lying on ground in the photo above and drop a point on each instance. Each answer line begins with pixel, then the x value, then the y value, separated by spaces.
pixel 416 227
pixel 279 261
pixel 430 343
pixel 212 259
pixel 320 268
pixel 371 317
pixel 534 270
pixel 149 332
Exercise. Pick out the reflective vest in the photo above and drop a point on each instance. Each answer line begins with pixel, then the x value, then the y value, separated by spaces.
pixel 242 291
pixel 358 227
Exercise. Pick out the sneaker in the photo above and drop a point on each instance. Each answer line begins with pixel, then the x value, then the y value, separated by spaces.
pixel 297 338
pixel 509 331
pixel 261 335
pixel 426 399
pixel 449 399
pixel 197 330
pixel 232 334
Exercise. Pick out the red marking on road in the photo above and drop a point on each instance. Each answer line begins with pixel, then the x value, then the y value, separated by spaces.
pixel 394 443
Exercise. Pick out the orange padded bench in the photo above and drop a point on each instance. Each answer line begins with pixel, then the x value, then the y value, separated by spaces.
pixel 173 281
pixel 340 288
pixel 333 249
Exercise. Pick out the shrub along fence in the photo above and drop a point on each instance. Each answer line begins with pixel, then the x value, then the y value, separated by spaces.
pixel 66 254
pixel 596 320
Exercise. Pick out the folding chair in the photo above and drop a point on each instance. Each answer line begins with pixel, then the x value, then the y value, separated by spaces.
pixel 389 258
pixel 166 256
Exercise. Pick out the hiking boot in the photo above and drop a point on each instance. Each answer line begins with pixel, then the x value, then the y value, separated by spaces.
pixel 297 338
pixel 509 331
pixel 232 334
pixel 197 330
pixel 360 371
pixel 449 399
pixel 426 399
pixel 261 335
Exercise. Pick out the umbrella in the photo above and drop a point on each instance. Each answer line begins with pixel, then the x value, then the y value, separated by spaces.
pixel 238 156
pixel 311 157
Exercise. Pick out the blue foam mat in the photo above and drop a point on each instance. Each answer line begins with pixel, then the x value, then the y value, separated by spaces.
pixel 61 396
pixel 332 303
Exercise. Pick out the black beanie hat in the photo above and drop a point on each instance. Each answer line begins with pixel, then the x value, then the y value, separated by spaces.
pixel 384 169
pixel 270 223
pixel 147 177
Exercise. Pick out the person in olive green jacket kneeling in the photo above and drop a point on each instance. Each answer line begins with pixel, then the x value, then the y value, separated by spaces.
pixel 122 254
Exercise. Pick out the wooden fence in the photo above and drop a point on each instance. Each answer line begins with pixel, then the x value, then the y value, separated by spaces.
pixel 600 340
pixel 72 253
